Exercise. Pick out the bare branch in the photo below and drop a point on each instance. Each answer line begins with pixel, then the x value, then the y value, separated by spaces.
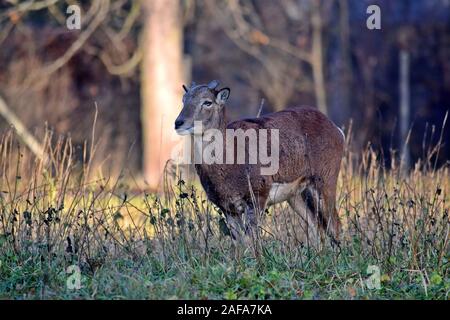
pixel 130 20
pixel 260 108
pixel 61 61
pixel 27 138
pixel 31 5
pixel 124 68
pixel 248 31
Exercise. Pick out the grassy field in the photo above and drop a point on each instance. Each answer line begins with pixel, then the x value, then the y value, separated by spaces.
pixel 60 222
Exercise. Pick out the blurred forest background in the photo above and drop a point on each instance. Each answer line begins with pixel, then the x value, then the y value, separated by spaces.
pixel 130 58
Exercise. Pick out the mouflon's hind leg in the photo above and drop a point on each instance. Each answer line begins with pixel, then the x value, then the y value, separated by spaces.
pixel 332 223
pixel 321 204
pixel 300 206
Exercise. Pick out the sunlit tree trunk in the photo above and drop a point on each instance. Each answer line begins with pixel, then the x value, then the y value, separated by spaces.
pixel 161 91
pixel 346 66
pixel 317 57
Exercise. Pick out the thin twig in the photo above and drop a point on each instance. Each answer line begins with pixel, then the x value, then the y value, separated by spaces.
pixel 28 139
pixel 260 108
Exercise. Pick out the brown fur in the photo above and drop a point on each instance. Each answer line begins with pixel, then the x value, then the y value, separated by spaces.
pixel 311 148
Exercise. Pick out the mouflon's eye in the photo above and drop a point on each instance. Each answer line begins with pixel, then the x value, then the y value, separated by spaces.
pixel 207 103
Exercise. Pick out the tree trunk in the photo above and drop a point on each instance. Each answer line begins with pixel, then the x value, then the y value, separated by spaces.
pixel 317 58
pixel 343 113
pixel 404 93
pixel 161 91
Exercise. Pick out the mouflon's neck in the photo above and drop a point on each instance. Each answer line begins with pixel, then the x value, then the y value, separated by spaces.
pixel 222 121
pixel 218 122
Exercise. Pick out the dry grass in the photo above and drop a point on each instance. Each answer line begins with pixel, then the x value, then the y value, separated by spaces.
pixel 130 244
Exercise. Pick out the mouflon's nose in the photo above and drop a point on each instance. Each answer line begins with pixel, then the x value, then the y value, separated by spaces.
pixel 178 123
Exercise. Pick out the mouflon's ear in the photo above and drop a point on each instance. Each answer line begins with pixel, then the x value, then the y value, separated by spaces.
pixel 213 84
pixel 185 88
pixel 222 95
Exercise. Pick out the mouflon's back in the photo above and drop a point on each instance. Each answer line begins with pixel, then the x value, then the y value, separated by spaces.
pixel 309 142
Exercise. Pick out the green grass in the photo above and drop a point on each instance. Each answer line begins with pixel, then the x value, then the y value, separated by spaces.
pixel 219 277
pixel 129 244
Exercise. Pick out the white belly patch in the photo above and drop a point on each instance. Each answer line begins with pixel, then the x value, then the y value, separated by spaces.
pixel 280 192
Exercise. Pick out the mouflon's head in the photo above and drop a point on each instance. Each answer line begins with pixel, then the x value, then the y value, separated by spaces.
pixel 201 103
